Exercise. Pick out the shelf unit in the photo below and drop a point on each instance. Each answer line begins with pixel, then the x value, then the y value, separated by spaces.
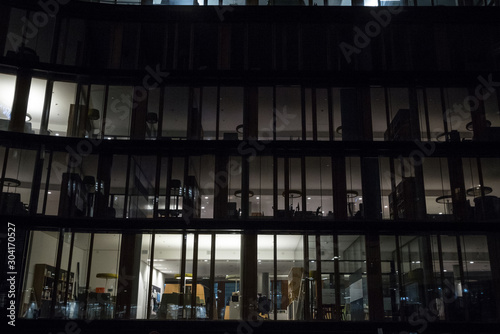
pixel 405 198
pixel 44 283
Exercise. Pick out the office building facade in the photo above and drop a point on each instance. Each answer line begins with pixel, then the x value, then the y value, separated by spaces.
pixel 251 166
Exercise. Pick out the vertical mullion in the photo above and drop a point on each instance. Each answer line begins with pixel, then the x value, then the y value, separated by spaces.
pixel 127 184
pixel 157 186
pixel 68 276
pixel 319 297
pixel 161 106
pixel 194 281
pixel 287 185
pixel 212 278
pixel 443 111
pixel 314 114
pixel 426 111
pixel 275 185
pixel 89 266
pixel 303 111
pixel 151 263
pixel 217 115
pixel 47 180
pixel 57 273
pixel 336 270
pixel 305 280
pixel 462 276
pixel 168 186
pixel 399 271
pixel 105 111
pixel 441 266
pixel 182 282
pixel 275 274
pixel 44 123
pixel 274 112
pixel 303 184
pixel 331 126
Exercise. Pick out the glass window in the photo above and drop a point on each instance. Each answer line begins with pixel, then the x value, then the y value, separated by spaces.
pixel 17 31
pixel 227 276
pixel 95 111
pixel 322 117
pixel 353 284
pixel 261 187
pixel 175 112
pixel 35 106
pixel 118 112
pixel 337 114
pixel 231 112
pixel 437 188
pixel 390 280
pixel 319 187
pixel 141 187
pixel 62 109
pixel 204 290
pixel 117 188
pixel 266 294
pixel 379 119
pixel 328 278
pixel 39 281
pixel 478 285
pixel 385 186
pixel 70 43
pixel 491 106
pixel 209 112
pixel 7 86
pixel 207 183
pixel 266 116
pixel 288 113
pixel 290 268
pixel 234 186
pixel 457 111
pixel 354 189
pixel 16 192
pixel 166 274
pixel 104 270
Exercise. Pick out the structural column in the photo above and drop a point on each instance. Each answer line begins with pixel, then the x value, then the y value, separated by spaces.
pixel 248 288
pixel 128 275
pixel 20 103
